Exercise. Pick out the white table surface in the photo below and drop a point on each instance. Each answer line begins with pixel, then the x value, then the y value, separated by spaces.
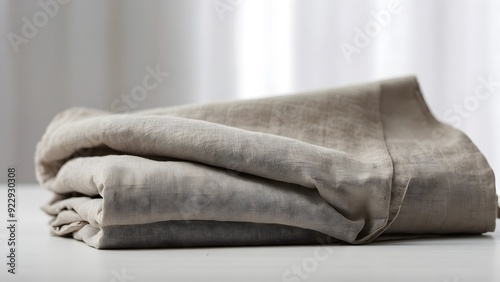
pixel 42 257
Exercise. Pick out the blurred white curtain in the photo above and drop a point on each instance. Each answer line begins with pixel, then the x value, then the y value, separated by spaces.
pixel 97 53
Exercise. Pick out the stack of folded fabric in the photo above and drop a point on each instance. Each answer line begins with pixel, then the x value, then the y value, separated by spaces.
pixel 352 164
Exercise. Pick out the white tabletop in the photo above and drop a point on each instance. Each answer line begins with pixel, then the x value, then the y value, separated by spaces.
pixel 42 257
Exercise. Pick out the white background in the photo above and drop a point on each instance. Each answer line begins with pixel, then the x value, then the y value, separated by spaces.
pixel 90 53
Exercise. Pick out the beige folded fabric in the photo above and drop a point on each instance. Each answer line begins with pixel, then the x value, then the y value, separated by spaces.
pixel 346 164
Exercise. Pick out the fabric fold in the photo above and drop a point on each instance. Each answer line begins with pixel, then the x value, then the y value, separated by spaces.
pixel 350 163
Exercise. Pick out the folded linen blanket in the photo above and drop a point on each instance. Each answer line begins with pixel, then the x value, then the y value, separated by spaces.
pixel 348 164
